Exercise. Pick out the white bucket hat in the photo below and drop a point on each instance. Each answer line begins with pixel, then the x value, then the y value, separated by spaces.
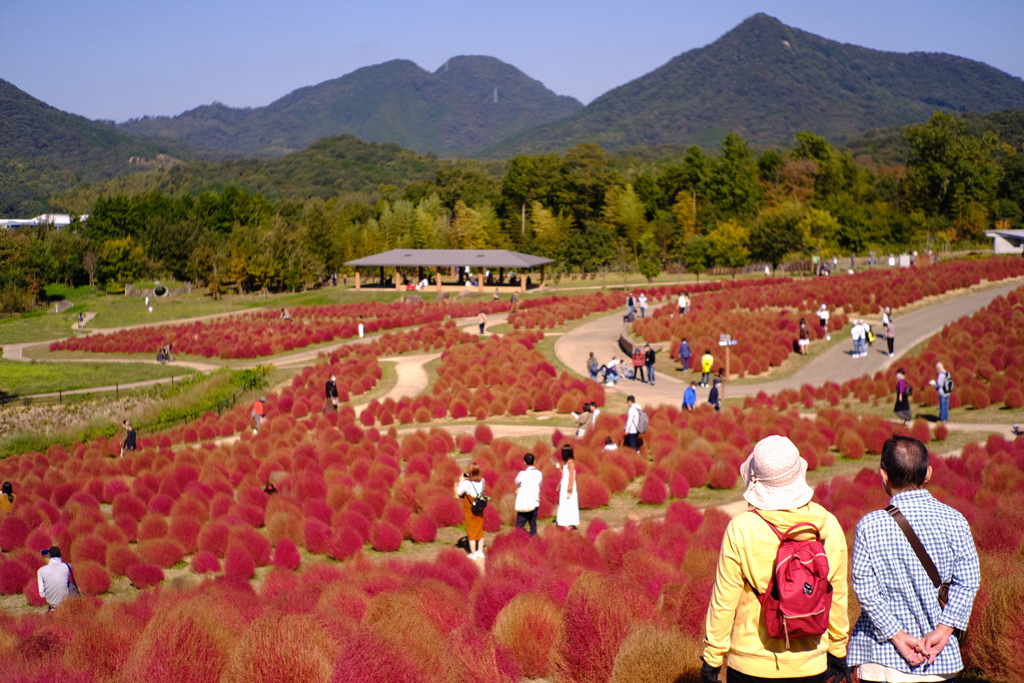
pixel 776 475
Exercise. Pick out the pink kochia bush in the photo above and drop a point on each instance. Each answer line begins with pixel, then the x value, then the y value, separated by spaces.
pixel 562 605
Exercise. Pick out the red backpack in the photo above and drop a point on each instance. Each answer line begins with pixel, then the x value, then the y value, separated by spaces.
pixel 799 596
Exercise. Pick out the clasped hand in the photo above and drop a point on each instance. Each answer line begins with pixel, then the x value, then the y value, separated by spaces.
pixel 918 651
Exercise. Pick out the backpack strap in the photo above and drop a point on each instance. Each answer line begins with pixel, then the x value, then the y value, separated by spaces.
pixel 915 543
pixel 801 526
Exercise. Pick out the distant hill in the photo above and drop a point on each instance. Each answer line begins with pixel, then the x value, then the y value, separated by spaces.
pixel 889 145
pixel 43 149
pixel 450 112
pixel 335 166
pixel 767 81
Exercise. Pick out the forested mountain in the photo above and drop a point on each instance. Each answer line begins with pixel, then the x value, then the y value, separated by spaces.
pixel 767 81
pixel 43 149
pixel 337 166
pixel 453 111
pixel 889 145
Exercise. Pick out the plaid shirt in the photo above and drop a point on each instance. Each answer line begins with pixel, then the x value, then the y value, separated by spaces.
pixel 894 590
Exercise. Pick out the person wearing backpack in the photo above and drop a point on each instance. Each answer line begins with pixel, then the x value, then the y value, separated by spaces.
pixel 771 619
pixel 943 384
pixel 633 428
pixel 916 573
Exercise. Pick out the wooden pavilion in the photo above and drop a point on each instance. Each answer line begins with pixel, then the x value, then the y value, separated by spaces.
pixel 468 269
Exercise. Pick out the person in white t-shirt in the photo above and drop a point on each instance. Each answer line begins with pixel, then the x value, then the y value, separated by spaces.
pixel 362 329
pixel 528 495
pixel 823 316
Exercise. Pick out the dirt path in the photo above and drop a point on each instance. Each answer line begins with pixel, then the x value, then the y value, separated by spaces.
pixel 412 377
pixel 834 364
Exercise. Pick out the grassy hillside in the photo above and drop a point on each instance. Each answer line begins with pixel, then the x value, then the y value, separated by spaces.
pixel 767 81
pixel 329 167
pixel 450 112
pixel 43 150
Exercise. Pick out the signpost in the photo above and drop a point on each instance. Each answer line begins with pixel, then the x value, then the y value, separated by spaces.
pixel 726 341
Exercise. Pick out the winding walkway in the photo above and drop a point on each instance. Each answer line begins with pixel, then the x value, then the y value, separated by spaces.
pixel 833 364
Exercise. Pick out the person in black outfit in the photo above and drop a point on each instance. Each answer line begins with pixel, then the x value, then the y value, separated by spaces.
pixel 714 398
pixel 649 362
pixel 129 437
pixel 331 392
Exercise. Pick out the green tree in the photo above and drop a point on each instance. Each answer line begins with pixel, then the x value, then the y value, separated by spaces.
pixel 732 187
pixel 951 173
pixel 468 228
pixel 696 254
pixel 625 216
pixel 728 245
pixel 550 233
pixel 121 261
pixel 777 233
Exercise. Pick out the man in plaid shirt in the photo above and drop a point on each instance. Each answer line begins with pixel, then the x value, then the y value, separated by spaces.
pixel 903 634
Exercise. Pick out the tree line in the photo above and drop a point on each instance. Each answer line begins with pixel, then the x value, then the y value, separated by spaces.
pixel 585 208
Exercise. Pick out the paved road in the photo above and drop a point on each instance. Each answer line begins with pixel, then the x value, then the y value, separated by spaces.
pixel 834 364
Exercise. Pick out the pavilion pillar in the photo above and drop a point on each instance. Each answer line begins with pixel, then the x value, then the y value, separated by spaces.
pixel 382 276
pixel 419 276
pixel 542 276
pixel 501 276
pixel 357 279
pixel 438 279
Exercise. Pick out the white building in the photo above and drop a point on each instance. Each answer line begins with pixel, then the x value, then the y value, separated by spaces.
pixel 58 220
pixel 1007 241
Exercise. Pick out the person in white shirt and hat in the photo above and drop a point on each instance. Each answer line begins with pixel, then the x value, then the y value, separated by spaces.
pixel 737 634
pixel 54 578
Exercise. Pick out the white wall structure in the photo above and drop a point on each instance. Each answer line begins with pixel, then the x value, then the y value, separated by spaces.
pixel 1007 241
pixel 58 220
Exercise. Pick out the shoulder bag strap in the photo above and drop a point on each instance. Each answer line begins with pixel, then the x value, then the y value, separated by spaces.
pixel 915 543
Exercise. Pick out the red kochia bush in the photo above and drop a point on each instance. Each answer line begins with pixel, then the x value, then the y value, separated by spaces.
pixel 385 537
pixel 91 577
pixel 592 492
pixel 653 491
pixel 13 576
pixel 13 532
pixel 422 529
pixel 162 552
pixel 205 562
pixel 286 554
pixel 238 563
pixel 145 575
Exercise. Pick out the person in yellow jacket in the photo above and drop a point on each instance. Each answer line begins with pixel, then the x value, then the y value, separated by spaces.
pixel 706 361
pixel 735 629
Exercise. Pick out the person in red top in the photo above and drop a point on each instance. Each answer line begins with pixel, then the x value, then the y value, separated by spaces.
pixel 257 414
pixel 638 363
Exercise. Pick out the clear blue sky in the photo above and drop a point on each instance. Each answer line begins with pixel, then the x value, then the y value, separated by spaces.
pixel 115 59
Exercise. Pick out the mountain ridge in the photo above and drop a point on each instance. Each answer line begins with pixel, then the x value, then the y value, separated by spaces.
pixel 449 111
pixel 766 81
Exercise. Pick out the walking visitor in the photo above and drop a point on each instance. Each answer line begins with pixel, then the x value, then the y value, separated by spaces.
pixel 568 497
pixel 903 393
pixel 638 364
pixel 469 489
pixel 706 362
pixel 715 395
pixel 690 397
pixel 943 384
pixel 528 483
pixel 916 573
pixel 684 354
pixel 632 428
pixel 805 337
pixel 742 625
pixel 258 410
pixel 890 333
pixel 331 394
pixel 593 367
pixel 649 363
pixel 823 316
pixel 130 437
pixel 642 303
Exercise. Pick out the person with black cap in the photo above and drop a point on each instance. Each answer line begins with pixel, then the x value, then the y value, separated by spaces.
pixel 7 497
pixel 331 391
pixel 54 578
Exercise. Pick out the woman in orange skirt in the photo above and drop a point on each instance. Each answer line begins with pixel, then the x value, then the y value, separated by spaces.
pixel 469 489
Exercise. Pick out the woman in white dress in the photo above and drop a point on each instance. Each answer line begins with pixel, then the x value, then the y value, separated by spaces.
pixel 568 496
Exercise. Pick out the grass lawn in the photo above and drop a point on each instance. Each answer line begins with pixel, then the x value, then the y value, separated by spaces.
pixel 39 378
